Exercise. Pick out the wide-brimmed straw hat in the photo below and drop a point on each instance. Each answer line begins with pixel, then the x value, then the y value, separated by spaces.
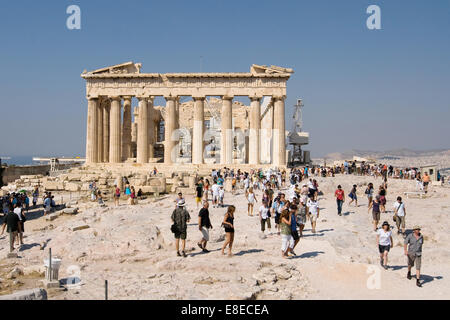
pixel 416 228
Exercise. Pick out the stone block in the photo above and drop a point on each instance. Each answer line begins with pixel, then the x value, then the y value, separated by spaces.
pixel 70 211
pixel 32 294
pixel 71 186
pixel 80 227
pixel 54 186
pixel 51 217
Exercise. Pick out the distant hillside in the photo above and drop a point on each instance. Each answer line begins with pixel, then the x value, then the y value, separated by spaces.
pixel 388 155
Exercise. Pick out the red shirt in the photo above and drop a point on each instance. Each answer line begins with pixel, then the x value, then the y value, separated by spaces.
pixel 339 194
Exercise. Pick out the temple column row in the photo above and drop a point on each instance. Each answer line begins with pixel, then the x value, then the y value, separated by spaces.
pixel 108 140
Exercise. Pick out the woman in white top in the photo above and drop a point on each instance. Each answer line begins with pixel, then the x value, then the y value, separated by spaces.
pixel 384 241
pixel 251 198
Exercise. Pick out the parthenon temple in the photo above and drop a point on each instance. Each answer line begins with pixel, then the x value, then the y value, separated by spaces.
pixel 200 124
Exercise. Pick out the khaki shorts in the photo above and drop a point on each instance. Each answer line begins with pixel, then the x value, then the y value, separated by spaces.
pixel 205 233
pixel 400 221
pixel 412 258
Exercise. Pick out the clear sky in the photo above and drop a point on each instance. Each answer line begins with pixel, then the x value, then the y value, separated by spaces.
pixel 362 89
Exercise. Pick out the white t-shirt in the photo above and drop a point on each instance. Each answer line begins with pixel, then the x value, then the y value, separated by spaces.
pixel 221 193
pixel 264 212
pixel 18 211
pixel 215 190
pixel 385 237
pixel 400 208
pixel 313 207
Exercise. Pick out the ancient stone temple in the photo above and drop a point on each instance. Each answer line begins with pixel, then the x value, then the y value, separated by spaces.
pixel 199 124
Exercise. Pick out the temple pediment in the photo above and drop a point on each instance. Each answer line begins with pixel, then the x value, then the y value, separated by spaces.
pixel 257 69
pixel 124 68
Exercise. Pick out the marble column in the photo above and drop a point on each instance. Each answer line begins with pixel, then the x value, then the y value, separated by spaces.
pixel 126 129
pixel 92 132
pixel 106 108
pixel 226 140
pixel 115 131
pixel 134 131
pixel 142 139
pixel 255 126
pixel 170 127
pixel 100 131
pixel 279 132
pixel 198 130
pixel 151 128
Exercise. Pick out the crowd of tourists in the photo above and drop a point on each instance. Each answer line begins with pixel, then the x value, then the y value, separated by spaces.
pixel 15 209
pixel 291 205
pixel 291 199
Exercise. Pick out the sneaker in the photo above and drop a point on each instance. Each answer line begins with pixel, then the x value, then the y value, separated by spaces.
pixel 381 262
pixel 199 245
pixel 385 267
pixel 409 276
pixel 418 283
pixel 184 254
pixel 178 254
pixel 205 250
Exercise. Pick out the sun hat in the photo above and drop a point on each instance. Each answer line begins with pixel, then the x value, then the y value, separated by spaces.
pixel 416 227
pixel 181 203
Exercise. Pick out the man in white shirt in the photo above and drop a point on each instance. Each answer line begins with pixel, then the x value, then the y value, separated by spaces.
pixel 313 209
pixel 264 216
pixel 215 193
pixel 399 215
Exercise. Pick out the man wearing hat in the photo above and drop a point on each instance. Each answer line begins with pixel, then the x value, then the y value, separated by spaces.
pixel 413 251
pixel 180 218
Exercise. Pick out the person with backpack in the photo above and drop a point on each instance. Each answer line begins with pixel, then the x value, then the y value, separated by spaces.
pixel 399 215
pixel 369 193
pixel 180 218
pixel 353 196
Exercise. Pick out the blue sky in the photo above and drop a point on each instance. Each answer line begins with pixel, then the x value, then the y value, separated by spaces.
pixel 362 89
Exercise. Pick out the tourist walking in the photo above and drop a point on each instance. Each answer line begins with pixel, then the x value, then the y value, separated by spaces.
pixel 340 199
pixel 12 225
pixel 116 195
pixel 375 206
pixel 353 196
pixel 384 241
pixel 180 218
pixel 413 252
pixel 228 224
pixel 294 232
pixel 369 192
pixel 198 193
pixel 264 216
pixel 425 181
pixel 382 194
pixel 19 212
pixel 287 241
pixel 399 216
pixel 314 211
pixel 301 217
pixel 251 200
pixel 35 195
pixel 215 194
pixel 206 189
pixel 204 224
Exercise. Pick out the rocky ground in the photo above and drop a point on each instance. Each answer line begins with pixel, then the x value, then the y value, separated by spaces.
pixel 132 247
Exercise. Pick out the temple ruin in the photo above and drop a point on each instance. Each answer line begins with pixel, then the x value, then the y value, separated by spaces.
pixel 200 123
